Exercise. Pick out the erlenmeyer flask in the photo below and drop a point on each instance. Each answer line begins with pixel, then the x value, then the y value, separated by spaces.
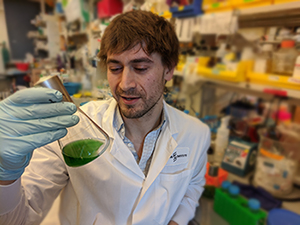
pixel 85 141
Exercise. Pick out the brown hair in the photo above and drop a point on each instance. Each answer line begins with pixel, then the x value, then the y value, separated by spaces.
pixel 154 34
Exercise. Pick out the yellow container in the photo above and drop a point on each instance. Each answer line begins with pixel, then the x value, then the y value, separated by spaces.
pixel 209 6
pixel 242 4
pixel 166 14
pixel 274 80
pixel 284 1
pixel 233 76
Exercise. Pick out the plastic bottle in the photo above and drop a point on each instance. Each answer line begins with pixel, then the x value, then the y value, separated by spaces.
pixel 263 61
pixel 5 54
pixel 225 186
pixel 247 54
pixel 283 62
pixel 2 66
pixel 234 191
pixel 220 54
pixel 221 140
pixel 254 205
pixel 296 73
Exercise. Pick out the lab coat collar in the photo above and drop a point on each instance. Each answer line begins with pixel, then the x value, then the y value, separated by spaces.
pixel 169 114
pixel 166 143
pixel 108 117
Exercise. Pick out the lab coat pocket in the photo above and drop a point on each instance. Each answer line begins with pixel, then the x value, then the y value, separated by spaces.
pixel 169 193
pixel 177 162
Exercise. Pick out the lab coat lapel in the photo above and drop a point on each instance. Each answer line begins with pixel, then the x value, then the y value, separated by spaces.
pixel 165 146
pixel 121 152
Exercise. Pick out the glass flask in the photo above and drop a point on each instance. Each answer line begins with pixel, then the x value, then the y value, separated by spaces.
pixel 85 141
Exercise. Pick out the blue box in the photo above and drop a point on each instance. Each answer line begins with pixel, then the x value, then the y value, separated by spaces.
pixel 191 10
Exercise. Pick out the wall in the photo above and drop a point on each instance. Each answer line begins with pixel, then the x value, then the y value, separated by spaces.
pixel 18 15
pixel 3 30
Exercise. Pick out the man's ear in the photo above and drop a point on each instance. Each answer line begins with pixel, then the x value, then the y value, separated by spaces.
pixel 168 73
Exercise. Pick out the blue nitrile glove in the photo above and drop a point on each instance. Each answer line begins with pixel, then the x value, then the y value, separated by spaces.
pixel 29 119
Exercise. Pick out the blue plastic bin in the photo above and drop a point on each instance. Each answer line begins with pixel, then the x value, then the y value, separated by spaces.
pixel 283 217
pixel 72 88
pixel 191 10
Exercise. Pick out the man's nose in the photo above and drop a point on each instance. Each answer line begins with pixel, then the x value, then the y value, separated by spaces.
pixel 127 80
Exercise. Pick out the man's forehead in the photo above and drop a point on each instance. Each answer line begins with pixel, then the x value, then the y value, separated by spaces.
pixel 134 53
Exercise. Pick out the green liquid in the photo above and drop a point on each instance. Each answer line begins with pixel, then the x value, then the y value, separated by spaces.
pixel 81 152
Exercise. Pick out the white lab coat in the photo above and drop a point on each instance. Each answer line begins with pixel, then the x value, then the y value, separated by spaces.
pixel 112 189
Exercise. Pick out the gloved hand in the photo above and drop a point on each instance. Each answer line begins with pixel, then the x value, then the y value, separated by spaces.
pixel 29 119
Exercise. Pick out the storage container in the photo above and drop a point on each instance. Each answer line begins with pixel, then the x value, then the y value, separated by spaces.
pixel 22 66
pixel 72 87
pixel 216 5
pixel 284 59
pixel 191 10
pixel 277 162
pixel 284 1
pixel 241 4
pixel 236 211
pixel 108 8
pixel 219 73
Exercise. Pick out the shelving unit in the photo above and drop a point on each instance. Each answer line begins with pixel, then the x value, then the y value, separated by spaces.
pixel 263 91
pixel 284 14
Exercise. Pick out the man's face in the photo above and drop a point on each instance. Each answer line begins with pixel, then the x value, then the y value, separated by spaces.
pixel 136 81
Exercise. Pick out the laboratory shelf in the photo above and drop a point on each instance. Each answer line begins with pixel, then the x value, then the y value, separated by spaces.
pixel 264 91
pixel 283 14
pixel 275 80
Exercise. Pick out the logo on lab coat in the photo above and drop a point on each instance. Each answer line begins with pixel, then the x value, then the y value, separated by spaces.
pixel 175 156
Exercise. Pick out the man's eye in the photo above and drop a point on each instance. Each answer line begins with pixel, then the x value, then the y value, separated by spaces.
pixel 140 69
pixel 114 69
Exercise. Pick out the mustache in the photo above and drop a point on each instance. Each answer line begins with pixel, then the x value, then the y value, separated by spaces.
pixel 131 91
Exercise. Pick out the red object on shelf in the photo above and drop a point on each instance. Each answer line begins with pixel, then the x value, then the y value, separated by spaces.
pixel 108 8
pixel 276 92
pixel 22 66
pixel 215 181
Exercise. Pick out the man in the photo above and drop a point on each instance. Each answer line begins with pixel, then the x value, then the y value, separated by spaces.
pixel 152 172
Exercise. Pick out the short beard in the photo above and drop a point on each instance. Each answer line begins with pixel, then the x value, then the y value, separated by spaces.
pixel 134 114
pixel 130 115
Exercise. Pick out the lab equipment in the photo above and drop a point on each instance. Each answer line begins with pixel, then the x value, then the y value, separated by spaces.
pixel 236 211
pixel 277 162
pixel 82 144
pixel 239 157
pixel 215 175
pixel 29 119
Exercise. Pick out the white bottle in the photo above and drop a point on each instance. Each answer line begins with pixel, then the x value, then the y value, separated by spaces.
pixel 2 67
pixel 263 61
pixel 221 140
pixel 221 52
pixel 296 73
pixel 247 54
